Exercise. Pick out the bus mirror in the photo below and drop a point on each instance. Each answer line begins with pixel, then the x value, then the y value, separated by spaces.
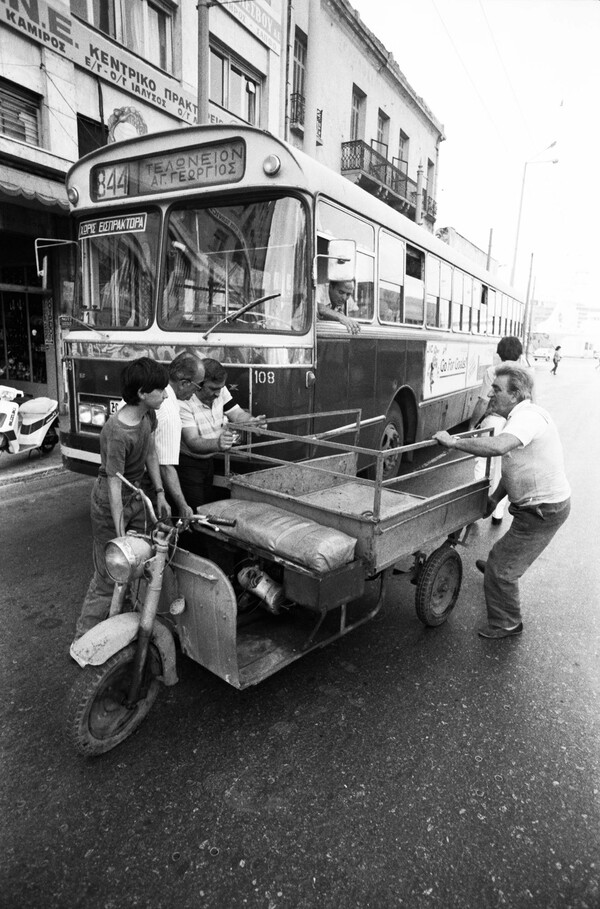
pixel 342 260
pixel 43 272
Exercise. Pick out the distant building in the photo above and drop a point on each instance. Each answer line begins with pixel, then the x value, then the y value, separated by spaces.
pixel 77 75
pixel 451 236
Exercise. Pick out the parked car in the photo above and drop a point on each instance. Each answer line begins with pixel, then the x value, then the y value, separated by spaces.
pixel 543 353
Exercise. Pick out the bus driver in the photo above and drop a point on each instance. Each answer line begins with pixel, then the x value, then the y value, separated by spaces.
pixel 332 303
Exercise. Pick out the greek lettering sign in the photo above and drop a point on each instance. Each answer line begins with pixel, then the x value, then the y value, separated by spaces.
pixel 104 226
pixel 53 26
pixel 222 162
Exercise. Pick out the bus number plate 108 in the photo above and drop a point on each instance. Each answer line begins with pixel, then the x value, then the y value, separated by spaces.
pixel 264 377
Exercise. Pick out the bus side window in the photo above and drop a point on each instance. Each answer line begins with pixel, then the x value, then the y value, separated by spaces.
pixel 363 300
pixel 445 294
pixel 432 287
pixel 391 278
pixel 414 288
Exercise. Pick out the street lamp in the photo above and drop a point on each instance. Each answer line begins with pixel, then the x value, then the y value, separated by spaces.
pixel 531 161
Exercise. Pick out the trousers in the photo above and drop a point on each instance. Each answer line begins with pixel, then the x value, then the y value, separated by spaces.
pixel 96 603
pixel 532 528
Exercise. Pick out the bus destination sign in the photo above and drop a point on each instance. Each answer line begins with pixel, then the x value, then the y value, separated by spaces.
pixel 207 165
pixel 107 226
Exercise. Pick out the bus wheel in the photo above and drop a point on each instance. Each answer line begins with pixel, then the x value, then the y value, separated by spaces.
pixel 392 437
pixel 439 585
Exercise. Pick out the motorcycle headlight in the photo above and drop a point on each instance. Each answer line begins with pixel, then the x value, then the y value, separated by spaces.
pixel 126 557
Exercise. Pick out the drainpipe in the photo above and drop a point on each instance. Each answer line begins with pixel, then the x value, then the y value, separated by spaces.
pixel 313 81
pixel 419 200
pixel 203 61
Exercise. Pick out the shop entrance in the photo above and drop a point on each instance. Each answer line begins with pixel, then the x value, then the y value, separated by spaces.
pixel 27 344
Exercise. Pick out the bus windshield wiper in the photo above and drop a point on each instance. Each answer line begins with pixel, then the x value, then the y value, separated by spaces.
pixel 239 312
pixel 67 322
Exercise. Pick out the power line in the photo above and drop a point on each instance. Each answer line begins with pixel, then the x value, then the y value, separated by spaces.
pixel 510 85
pixel 501 133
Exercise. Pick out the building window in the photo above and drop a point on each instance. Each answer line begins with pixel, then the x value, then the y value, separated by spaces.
pixel 403 144
pixel 19 113
pixel 299 72
pixel 297 98
pixel 90 135
pixel 357 114
pixel 144 27
pixel 233 87
pixel 383 134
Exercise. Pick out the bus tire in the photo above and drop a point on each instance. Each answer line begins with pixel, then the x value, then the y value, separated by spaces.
pixel 392 437
pixel 438 586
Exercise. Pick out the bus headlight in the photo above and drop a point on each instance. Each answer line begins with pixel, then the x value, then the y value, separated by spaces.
pixel 99 414
pixel 126 557
pixel 73 195
pixel 85 413
pixel 93 414
pixel 272 165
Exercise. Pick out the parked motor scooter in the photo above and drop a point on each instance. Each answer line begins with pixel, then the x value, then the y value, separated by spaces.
pixel 27 425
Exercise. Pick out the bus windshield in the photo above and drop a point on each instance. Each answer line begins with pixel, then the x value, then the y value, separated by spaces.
pixel 221 258
pixel 118 270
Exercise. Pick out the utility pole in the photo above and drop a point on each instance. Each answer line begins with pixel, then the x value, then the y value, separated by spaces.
pixel 203 61
pixel 489 255
pixel 526 314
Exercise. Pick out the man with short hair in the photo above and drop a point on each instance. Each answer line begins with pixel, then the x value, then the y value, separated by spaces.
pixel 205 420
pixel 186 372
pixel 533 477
pixel 509 349
pixel 333 309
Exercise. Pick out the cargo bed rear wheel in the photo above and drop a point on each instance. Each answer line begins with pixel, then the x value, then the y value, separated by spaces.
pixel 438 585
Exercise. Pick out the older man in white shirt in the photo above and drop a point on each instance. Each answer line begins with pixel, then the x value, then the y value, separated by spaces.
pixel 186 374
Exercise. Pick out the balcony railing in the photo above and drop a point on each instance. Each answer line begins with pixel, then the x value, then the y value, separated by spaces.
pixel 297 104
pixel 376 174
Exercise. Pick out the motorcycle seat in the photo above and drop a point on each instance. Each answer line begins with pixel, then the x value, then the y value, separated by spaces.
pixel 36 408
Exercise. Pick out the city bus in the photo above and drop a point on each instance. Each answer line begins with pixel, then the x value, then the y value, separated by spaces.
pixel 219 240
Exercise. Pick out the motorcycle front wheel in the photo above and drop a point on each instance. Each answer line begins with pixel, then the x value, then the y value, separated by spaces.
pixel 98 718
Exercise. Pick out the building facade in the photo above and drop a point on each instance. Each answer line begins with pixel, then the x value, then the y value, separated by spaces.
pixel 77 75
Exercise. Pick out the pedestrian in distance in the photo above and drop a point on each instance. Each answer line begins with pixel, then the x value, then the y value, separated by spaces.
pixel 533 477
pixel 556 358
pixel 126 447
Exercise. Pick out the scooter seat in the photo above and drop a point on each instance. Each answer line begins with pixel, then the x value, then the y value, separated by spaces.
pixel 36 408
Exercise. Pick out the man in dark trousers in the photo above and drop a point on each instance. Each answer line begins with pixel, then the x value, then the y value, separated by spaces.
pixel 534 479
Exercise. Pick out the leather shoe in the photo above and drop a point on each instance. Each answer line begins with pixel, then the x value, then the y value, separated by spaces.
pixel 492 632
pixel 480 565
pixel 496 521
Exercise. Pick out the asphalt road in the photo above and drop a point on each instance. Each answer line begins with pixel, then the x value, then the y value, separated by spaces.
pixel 401 766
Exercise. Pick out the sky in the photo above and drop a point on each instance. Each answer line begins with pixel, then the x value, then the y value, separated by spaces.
pixel 507 78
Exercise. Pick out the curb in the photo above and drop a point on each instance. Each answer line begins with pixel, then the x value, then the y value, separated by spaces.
pixel 24 475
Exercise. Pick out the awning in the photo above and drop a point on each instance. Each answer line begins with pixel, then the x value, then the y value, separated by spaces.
pixel 33 188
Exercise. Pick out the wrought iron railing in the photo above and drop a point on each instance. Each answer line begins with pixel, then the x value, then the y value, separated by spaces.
pixel 358 156
pixel 297 104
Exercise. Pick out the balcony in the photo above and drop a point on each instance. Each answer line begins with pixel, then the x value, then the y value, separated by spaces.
pixel 372 171
pixel 297 110
pixel 297 103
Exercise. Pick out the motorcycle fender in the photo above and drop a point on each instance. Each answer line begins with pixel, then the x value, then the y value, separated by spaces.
pixel 113 634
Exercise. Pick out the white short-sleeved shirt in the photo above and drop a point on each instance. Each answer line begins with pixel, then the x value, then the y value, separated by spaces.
pixel 208 420
pixel 534 472
pixel 167 437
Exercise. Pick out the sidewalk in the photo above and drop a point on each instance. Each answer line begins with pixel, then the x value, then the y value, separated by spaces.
pixel 23 466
